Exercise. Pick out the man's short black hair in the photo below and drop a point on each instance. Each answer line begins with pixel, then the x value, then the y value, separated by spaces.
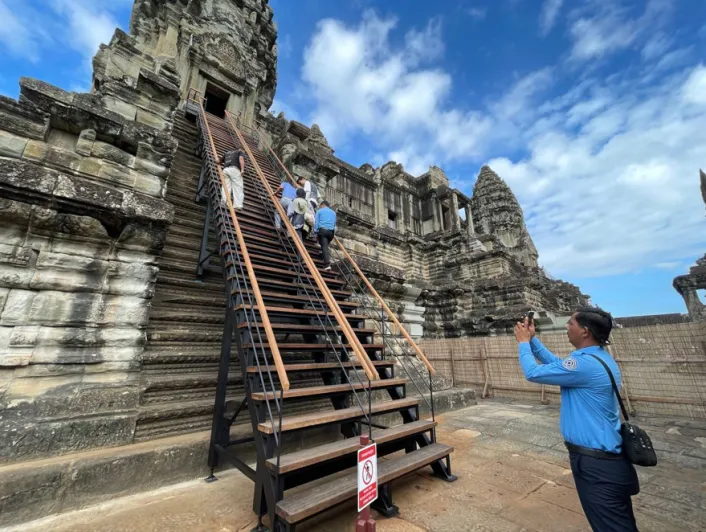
pixel 301 193
pixel 596 320
pixel 325 203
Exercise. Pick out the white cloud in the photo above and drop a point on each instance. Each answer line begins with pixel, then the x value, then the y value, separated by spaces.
pixel 516 100
pixel 28 29
pixel 617 193
pixel 17 34
pixel 477 13
pixel 425 45
pixel 88 24
pixel 694 90
pixel 361 83
pixel 602 27
pixel 548 15
pixel 674 265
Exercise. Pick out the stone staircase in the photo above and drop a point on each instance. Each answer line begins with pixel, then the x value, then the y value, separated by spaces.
pixel 185 329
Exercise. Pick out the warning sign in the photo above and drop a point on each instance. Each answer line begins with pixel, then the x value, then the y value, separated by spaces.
pixel 367 475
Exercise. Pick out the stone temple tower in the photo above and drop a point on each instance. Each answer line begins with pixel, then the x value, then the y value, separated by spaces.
pixel 497 212
pixel 224 48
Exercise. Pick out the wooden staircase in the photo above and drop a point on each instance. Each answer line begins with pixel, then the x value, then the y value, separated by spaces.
pixel 299 340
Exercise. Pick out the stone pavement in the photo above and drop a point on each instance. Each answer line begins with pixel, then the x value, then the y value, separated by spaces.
pixel 513 476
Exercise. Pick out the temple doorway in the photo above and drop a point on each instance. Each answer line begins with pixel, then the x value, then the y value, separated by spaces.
pixel 216 100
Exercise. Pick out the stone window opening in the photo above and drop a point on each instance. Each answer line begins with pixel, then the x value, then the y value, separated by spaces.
pixel 445 221
pixel 701 295
pixel 392 219
pixel 216 100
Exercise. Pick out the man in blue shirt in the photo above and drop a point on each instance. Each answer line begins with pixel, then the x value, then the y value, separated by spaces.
pixel 288 195
pixel 589 418
pixel 324 229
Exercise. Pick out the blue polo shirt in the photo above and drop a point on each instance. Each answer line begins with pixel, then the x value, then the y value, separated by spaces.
pixel 288 191
pixel 589 409
pixel 325 219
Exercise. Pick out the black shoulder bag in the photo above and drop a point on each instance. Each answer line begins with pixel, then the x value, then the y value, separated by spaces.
pixel 637 445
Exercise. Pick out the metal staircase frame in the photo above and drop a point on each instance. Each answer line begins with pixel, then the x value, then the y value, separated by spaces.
pixel 242 287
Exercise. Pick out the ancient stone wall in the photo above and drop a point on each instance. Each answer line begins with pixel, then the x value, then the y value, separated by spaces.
pixel 83 220
pixel 663 366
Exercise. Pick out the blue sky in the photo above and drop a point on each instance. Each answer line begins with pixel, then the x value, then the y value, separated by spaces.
pixel 593 111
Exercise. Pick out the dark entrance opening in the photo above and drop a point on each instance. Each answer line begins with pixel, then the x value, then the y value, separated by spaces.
pixel 216 101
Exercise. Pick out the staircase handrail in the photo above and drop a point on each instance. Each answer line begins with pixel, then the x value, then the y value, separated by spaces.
pixel 353 341
pixel 360 273
pixel 269 333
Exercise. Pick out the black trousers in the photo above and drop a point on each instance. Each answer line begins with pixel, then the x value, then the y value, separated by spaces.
pixel 325 237
pixel 605 488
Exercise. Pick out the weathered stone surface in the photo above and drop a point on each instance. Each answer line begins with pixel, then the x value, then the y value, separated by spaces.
pixel 25 120
pixel 688 285
pixel 12 145
pixel 84 145
pixel 103 150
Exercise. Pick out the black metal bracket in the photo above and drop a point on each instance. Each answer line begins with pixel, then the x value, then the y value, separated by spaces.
pixel 442 470
pixel 383 503
pixel 204 254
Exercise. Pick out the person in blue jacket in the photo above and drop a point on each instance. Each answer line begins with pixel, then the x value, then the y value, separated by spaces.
pixel 589 419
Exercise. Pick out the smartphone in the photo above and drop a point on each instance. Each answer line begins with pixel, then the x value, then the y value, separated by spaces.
pixel 530 317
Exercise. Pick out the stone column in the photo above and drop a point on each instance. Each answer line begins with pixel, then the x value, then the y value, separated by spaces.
pixel 469 219
pixel 380 208
pixel 441 215
pixel 168 40
pixel 455 219
pixel 435 212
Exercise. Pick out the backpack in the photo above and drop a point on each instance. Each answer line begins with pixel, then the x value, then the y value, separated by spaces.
pixel 637 445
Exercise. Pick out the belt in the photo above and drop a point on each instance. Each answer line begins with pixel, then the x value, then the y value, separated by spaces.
pixel 595 453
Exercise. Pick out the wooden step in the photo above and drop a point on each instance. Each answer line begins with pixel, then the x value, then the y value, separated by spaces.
pixel 306 503
pixel 316 455
pixel 332 389
pixel 280 328
pixel 314 419
pixel 304 300
pixel 308 348
pixel 327 366
pixel 294 286
pixel 302 312
pixel 270 271
pixel 282 269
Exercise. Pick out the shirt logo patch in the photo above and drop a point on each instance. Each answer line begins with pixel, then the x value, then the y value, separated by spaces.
pixel 570 364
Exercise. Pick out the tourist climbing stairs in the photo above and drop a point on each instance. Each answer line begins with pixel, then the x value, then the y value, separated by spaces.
pixel 299 340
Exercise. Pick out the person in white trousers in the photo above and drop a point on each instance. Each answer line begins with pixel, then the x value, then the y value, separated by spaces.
pixel 234 166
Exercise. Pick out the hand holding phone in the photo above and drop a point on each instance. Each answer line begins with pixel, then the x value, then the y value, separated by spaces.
pixel 529 323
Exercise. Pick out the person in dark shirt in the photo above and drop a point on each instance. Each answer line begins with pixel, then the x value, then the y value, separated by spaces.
pixel 234 166
pixel 324 229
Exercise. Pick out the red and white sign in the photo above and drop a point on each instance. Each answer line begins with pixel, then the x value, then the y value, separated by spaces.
pixel 367 475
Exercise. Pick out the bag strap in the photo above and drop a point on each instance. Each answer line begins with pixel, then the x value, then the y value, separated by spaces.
pixel 615 386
